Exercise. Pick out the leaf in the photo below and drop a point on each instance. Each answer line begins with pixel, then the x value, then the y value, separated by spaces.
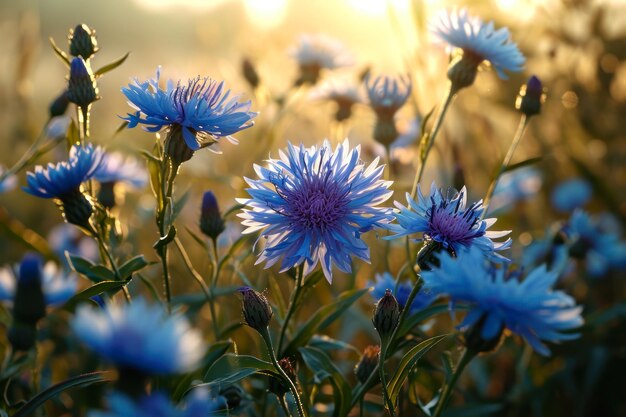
pixel 178 205
pixel 96 273
pixel 233 209
pixel 199 240
pixel 165 240
pixel 324 342
pixel 409 360
pixel 76 382
pixel 322 319
pixel 111 66
pixel 231 368
pixel 122 127
pixel 522 164
pixel 133 265
pixel 238 243
pixel 62 55
pixel 422 315
pixel 92 291
pixel 323 367
pixel 216 351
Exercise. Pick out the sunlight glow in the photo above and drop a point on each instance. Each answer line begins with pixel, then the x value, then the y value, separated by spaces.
pixel 266 14
pixel 378 8
pixel 195 5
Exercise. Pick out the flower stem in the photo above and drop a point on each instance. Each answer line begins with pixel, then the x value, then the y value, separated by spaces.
pixel 107 253
pixel 265 334
pixel 292 305
pixel 425 148
pixel 466 357
pixel 521 128
pixel 384 344
pixel 283 403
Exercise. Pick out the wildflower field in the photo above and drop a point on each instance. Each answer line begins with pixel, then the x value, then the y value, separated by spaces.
pixel 297 208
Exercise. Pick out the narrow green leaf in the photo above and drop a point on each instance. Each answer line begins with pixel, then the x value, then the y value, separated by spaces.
pixel 92 291
pixel 111 66
pixel 522 164
pixel 232 368
pixel 322 318
pixel 95 273
pixel 76 382
pixel 422 315
pixel 62 55
pixel 325 343
pixel 179 204
pixel 233 209
pixel 238 243
pixel 132 265
pixel 199 240
pixel 122 127
pixel 323 368
pixel 171 234
pixel 216 351
pixel 409 360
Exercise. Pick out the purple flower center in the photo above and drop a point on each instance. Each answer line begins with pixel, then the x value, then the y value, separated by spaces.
pixel 449 222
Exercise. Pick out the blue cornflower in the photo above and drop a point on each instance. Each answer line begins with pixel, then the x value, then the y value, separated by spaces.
pixel 140 336
pixel 446 220
pixel 199 403
pixel 57 286
pixel 479 41
pixel 313 205
pixel 551 250
pixel 515 186
pixel 200 107
pixel 401 290
pixel 529 308
pixel 117 167
pixel 388 94
pixel 63 180
pixel 315 52
pixel 68 238
pixel 571 194
pixel 601 247
pixel 7 182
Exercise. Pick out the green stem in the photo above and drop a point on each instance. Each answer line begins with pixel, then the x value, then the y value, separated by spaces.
pixel 361 406
pixel 31 154
pixel 107 253
pixel 384 343
pixel 431 139
pixel 169 170
pixel 265 334
pixel 283 403
pixel 521 128
pixel 293 301
pixel 466 357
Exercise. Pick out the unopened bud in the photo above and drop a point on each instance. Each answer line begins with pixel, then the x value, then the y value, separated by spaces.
pixel 22 336
pixel 250 73
pixel 211 222
pixel 530 98
pixel 386 314
pixel 77 209
pixel 83 41
pixel 81 87
pixel 385 131
pixel 106 194
pixel 59 105
pixel 257 311
pixel 477 341
pixel 234 396
pixel 29 304
pixel 368 363
pixel 277 386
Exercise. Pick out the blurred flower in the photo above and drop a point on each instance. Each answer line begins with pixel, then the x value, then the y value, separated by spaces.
pixel 211 221
pixel 401 291
pixel 7 183
pixel 197 109
pixel 59 105
pixel 57 127
pixel 68 238
pixel 601 249
pixel 528 308
pixel 57 286
pixel 117 167
pixel 199 403
pixel 317 52
pixel 140 336
pixel 386 96
pixel 515 186
pixel 479 41
pixel 313 205
pixel 342 91
pixel 550 250
pixel 445 220
pixel 367 364
pixel 571 194
pixel 530 98
pixel 250 73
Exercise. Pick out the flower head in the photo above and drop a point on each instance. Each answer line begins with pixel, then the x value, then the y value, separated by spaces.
pixel 211 220
pixel 140 336
pixel 447 220
pixel 317 52
pixel 529 307
pixel 199 403
pixel 341 90
pixel 571 194
pixel 68 238
pixel 479 41
pixel 514 186
pixel 62 180
pixel 7 182
pixel 200 107
pixel 313 205
pixel 117 167
pixel 387 94
pixel 57 285
pixel 401 291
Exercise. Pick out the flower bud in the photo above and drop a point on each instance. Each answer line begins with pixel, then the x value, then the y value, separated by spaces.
pixel 309 74
pixel 211 222
pixel 59 105
pixel 277 386
pixel 368 363
pixel 385 131
pixel 77 209
pixel 250 73
pixel 257 311
pixel 83 41
pixel 427 256
pixel 476 342
pixel 175 146
pixel 29 304
pixel 530 97
pixel 22 336
pixel 106 194
pixel 234 396
pixel 81 88
pixel 462 71
pixel 386 314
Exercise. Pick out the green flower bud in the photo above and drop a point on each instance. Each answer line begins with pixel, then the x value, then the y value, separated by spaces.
pixel 276 385
pixel 462 71
pixel 368 363
pixel 250 73
pixel 83 42
pixel 82 89
pixel 257 311
pixel 386 314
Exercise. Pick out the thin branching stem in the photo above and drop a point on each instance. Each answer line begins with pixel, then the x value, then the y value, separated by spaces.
pixel 292 306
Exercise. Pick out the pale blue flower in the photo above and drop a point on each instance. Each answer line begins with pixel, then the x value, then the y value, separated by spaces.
pixel 529 307
pixel 63 179
pixel 117 167
pixel 69 238
pixel 321 51
pixel 387 94
pixel 8 182
pixel 546 250
pixel 515 186
pixel 401 290
pixel 479 40
pixel 571 194
pixel 201 106
pixel 57 285
pixel 140 336
pixel 447 220
pixel 313 204
pixel 199 403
